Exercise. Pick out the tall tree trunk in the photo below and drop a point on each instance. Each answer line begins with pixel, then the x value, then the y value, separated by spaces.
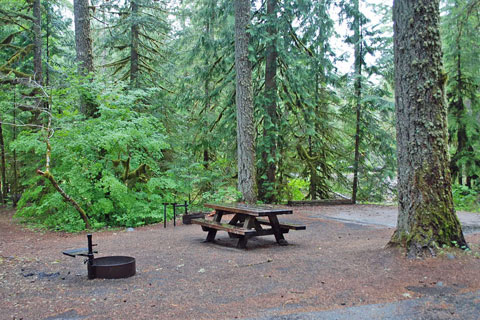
pixel 14 190
pixel 37 55
pixel 459 111
pixel 206 156
pixel 134 45
pixel 426 219
pixel 270 128
pixel 37 32
pixel 245 122
pixel 3 190
pixel 358 96
pixel 83 40
pixel 83 45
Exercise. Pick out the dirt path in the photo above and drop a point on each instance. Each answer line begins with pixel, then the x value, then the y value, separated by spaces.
pixel 331 265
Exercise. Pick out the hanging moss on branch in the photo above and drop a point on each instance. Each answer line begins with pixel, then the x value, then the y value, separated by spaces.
pixel 318 171
pixel 129 178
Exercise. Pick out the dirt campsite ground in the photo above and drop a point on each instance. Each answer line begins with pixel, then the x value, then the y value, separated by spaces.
pixel 338 265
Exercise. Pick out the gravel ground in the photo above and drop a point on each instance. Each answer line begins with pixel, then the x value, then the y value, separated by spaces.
pixel 333 266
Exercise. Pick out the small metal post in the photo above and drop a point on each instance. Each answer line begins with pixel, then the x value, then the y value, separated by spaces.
pixel 90 257
pixel 174 213
pixel 165 214
pixel 186 208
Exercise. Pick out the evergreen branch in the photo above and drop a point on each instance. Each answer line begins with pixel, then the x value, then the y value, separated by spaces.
pixel 215 64
pixel 125 76
pixel 116 63
pixel 144 65
pixel 299 44
pixel 154 17
pixel 228 72
pixel 8 39
pixel 17 73
pixel 159 85
pixel 156 83
pixel 149 38
pixel 120 67
pixel 151 50
pixel 11 46
pixel 122 47
pixel 155 41
pixel 154 8
pixel 17 55
pixel 141 56
pixel 9 21
pixel 218 119
pixel 13 14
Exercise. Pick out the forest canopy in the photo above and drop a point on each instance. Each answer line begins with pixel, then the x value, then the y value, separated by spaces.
pixel 129 104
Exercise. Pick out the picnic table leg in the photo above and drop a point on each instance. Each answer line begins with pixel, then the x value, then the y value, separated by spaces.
pixel 276 230
pixel 213 232
pixel 236 218
pixel 248 223
pixel 242 242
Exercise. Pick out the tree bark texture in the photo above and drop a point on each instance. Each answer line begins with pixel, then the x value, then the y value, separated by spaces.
pixel 37 57
pixel 83 44
pixel 459 112
pixel 245 122
pixel 358 96
pixel 206 155
pixel 3 190
pixel 83 40
pixel 14 190
pixel 134 45
pixel 270 127
pixel 37 41
pixel 426 218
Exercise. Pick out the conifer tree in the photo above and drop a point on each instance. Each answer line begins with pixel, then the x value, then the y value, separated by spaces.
pixel 460 31
pixel 426 219
pixel 245 121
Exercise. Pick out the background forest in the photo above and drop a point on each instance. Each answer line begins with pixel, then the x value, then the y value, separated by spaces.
pixel 133 105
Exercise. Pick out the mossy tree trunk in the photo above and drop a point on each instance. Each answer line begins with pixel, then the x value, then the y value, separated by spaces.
pixel 134 68
pixel 266 186
pixel 83 45
pixel 244 102
pixel 3 190
pixel 37 33
pixel 426 219
pixel 37 56
pixel 358 95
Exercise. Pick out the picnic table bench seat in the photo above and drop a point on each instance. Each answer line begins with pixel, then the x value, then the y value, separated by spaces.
pixel 289 226
pixel 209 224
pixel 246 222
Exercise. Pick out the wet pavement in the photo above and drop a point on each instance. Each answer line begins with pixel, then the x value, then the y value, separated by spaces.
pixel 438 306
pixel 387 217
pixel 440 302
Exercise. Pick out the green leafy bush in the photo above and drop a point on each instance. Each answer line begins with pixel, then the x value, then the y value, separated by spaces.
pixel 465 198
pixel 85 162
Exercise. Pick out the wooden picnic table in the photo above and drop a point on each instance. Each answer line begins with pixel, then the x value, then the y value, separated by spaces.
pixel 248 221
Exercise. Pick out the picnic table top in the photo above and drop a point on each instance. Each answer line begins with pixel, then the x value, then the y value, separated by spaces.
pixel 253 210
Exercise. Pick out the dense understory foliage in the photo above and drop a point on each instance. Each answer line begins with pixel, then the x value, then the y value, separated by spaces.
pixel 169 134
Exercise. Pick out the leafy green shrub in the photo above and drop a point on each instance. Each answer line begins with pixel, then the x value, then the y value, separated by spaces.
pixel 84 160
pixel 297 189
pixel 90 158
pixel 465 198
